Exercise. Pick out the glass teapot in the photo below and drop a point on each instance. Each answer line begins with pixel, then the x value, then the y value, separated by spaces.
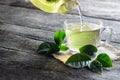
pixel 54 6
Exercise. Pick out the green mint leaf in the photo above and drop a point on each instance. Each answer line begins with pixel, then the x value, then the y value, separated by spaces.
pixel 78 60
pixel 88 49
pixel 105 60
pixel 63 48
pixel 59 37
pixel 96 66
pixel 48 48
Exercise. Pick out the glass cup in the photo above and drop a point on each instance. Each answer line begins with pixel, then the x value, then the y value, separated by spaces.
pixel 78 35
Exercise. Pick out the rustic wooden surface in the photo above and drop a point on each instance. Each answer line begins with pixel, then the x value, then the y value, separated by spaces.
pixel 23 28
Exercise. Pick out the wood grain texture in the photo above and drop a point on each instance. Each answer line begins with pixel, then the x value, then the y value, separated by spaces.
pixel 19 43
pixel 16 65
pixel 18 60
pixel 23 29
pixel 108 9
pixel 31 20
pixel 20 3
pixel 37 34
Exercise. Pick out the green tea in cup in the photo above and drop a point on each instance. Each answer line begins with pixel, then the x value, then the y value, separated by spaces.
pixel 78 35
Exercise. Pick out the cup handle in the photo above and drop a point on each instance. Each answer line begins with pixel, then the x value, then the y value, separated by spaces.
pixel 109 31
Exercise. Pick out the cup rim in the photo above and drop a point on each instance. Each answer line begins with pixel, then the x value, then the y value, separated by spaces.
pixel 96 26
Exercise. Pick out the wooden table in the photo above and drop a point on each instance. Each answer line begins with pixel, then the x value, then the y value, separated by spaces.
pixel 23 29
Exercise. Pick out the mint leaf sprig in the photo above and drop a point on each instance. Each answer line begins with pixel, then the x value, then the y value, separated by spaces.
pixel 85 59
pixel 102 61
pixel 49 48
pixel 59 37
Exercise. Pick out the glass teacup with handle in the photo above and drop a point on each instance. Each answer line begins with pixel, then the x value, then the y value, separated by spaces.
pixel 78 35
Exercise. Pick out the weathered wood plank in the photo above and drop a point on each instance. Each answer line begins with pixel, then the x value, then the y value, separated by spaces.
pixel 20 3
pixel 36 34
pixel 9 55
pixel 16 63
pixel 108 9
pixel 31 18
pixel 19 43
pixel 18 59
pixel 35 20
pixel 29 67
pixel 15 59
pixel 116 45
pixel 24 38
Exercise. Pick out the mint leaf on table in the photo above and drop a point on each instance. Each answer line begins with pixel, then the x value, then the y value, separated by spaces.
pixel 59 37
pixel 102 60
pixel 78 60
pixel 88 49
pixel 63 48
pixel 96 66
pixel 48 48
pixel 105 60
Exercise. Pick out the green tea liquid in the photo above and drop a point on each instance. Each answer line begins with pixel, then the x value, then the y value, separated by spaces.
pixel 77 38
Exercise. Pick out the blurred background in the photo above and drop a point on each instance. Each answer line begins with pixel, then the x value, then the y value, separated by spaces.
pixel 109 9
